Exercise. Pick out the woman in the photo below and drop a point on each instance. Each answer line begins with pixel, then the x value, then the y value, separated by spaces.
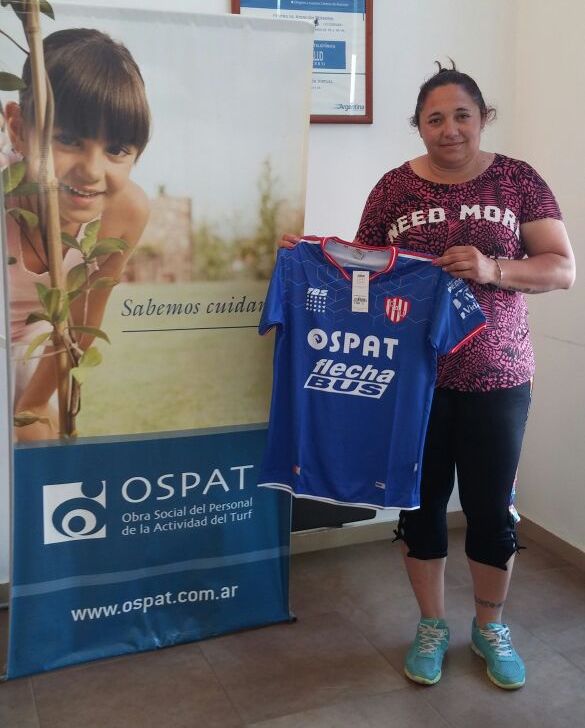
pixel 493 221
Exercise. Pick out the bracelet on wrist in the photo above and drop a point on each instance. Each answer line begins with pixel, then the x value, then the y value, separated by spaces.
pixel 498 283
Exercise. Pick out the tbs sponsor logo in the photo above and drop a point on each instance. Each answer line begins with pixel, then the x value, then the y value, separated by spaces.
pixel 74 511
pixel 316 299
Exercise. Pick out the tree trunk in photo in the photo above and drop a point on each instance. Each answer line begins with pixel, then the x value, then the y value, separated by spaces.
pixel 49 221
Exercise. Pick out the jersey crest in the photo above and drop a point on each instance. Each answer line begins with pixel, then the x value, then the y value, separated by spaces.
pixel 397 309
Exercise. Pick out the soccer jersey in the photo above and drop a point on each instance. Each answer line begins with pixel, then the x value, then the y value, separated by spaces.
pixel 355 360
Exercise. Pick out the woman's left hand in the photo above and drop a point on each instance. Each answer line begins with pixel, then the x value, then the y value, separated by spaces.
pixel 465 261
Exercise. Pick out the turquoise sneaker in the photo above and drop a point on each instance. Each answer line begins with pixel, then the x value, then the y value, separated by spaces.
pixel 504 665
pixel 425 656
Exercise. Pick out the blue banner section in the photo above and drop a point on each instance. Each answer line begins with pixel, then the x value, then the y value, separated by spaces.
pixel 128 546
pixel 329 54
pixel 308 6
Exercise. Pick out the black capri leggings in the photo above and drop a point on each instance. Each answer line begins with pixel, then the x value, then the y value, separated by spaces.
pixel 480 434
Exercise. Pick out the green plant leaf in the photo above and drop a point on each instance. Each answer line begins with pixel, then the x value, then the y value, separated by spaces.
pixel 90 237
pixel 107 246
pixel 52 301
pixel 42 292
pixel 12 176
pixel 104 282
pixel 10 82
pixel 35 343
pixel 92 331
pixel 11 260
pixel 29 217
pixel 79 374
pixel 77 277
pixel 35 316
pixel 70 241
pixel 91 358
pixel 24 418
pixel 46 9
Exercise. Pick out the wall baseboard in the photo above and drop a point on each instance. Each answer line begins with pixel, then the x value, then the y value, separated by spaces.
pixel 3 594
pixel 553 543
pixel 328 538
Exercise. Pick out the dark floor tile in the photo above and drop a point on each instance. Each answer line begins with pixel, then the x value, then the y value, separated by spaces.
pixel 17 705
pixel 534 558
pixel 172 687
pixel 366 574
pixel 554 695
pixel 576 657
pixel 401 709
pixel 551 604
pixel 285 669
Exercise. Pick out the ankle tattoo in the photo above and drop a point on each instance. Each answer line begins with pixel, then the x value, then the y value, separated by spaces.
pixel 487 603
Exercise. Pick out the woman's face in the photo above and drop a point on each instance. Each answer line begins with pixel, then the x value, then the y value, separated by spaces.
pixel 450 125
pixel 89 171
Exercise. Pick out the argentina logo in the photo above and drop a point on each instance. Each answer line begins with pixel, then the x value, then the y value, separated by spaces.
pixel 397 309
pixel 74 511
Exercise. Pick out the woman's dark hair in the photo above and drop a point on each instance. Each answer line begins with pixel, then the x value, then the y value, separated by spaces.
pixel 444 77
pixel 98 89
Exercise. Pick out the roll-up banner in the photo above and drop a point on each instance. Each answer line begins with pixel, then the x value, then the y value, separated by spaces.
pixel 180 151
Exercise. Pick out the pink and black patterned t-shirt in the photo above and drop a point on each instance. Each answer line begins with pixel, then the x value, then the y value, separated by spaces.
pixel 406 210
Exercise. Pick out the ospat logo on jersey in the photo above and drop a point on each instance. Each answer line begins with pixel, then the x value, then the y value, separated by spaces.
pixel 338 377
pixel 74 511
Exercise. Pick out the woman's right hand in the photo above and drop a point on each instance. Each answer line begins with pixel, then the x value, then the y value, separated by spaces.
pixel 288 241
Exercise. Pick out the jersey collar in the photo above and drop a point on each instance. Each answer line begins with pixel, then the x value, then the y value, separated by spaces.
pixel 392 256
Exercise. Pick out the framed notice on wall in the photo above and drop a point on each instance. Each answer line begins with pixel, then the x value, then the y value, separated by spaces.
pixel 342 53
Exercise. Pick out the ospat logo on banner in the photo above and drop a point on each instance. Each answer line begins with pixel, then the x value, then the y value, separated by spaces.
pixel 74 511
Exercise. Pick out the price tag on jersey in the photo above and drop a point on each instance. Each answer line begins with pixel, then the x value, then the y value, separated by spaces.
pixel 360 291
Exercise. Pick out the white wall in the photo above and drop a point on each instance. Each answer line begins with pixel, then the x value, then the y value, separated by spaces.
pixel 550 95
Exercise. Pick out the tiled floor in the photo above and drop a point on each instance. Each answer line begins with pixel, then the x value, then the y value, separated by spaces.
pixel 340 664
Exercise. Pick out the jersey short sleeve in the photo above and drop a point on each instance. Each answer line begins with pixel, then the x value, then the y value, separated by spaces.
pixel 274 305
pixel 457 316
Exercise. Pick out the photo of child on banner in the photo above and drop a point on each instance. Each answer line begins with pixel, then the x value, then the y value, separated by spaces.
pixel 101 127
pixel 168 217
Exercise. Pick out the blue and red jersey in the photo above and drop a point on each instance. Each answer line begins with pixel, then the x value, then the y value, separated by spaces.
pixel 358 333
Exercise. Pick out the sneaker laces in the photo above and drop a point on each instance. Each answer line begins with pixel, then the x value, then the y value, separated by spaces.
pixel 429 638
pixel 499 639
